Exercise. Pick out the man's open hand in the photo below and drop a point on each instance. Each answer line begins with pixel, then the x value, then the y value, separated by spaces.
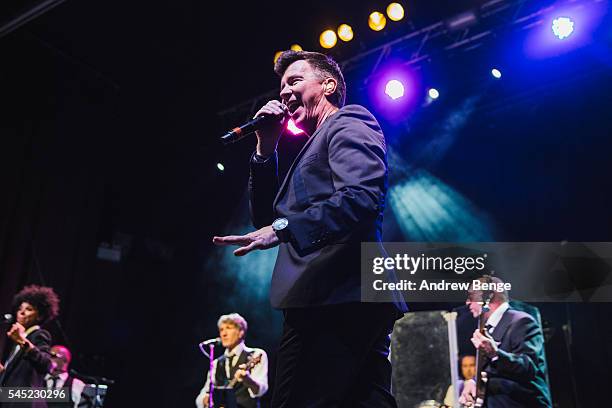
pixel 264 238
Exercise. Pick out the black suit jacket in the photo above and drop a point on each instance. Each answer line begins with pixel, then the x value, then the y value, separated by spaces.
pixel 518 377
pixel 334 197
pixel 29 369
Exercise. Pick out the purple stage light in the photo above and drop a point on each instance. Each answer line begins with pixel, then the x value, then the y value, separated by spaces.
pixel 573 23
pixel 394 89
pixel 563 27
pixel 293 129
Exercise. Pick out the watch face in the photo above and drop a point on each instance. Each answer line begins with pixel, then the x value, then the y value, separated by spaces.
pixel 279 224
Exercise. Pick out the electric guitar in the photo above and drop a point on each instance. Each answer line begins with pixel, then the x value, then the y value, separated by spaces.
pixel 481 386
pixel 230 399
pixel 250 364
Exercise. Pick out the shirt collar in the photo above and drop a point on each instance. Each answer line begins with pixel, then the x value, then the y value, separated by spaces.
pixel 496 316
pixel 31 329
pixel 236 351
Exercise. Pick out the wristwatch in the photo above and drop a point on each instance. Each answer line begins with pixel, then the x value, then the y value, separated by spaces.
pixel 280 228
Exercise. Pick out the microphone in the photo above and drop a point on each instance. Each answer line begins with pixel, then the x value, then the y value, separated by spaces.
pixel 7 318
pixel 216 342
pixel 251 126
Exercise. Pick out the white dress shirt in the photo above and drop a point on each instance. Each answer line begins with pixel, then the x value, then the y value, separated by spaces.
pixel 76 389
pixel 495 318
pixel 259 373
pixel 449 399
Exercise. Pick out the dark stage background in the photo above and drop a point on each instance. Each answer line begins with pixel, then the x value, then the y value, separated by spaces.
pixel 108 134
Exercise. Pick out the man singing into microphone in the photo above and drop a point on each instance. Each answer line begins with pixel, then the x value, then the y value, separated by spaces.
pixel 334 349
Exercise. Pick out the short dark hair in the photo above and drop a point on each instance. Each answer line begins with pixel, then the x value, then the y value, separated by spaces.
pixel 322 64
pixel 42 298
pixel 499 297
pixel 463 356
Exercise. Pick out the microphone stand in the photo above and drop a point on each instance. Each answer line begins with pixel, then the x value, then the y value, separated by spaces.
pixel 210 375
pixel 211 357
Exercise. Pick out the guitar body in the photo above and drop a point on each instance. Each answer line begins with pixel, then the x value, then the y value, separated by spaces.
pixel 227 395
pixel 226 398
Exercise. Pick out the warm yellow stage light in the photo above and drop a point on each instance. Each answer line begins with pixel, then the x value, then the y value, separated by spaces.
pixel 345 32
pixel 328 39
pixel 277 56
pixel 296 47
pixel 395 11
pixel 377 21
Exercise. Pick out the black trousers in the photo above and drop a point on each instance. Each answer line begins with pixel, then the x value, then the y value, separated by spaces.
pixel 335 356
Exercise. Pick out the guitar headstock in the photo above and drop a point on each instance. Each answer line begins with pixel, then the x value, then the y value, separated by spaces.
pixel 252 361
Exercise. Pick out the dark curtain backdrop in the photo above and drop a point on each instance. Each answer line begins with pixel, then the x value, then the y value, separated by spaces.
pixel 56 125
pixel 106 146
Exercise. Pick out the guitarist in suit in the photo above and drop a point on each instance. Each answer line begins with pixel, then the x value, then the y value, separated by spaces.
pixel 28 360
pixel 513 345
pixel 234 366
pixel 334 349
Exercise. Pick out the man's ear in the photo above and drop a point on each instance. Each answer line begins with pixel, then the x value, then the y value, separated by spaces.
pixel 330 86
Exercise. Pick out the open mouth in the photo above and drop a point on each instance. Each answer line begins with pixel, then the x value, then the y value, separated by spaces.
pixel 293 106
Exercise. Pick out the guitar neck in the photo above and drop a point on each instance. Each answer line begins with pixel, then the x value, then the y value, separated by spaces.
pixel 249 366
pixel 481 386
pixel 232 383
